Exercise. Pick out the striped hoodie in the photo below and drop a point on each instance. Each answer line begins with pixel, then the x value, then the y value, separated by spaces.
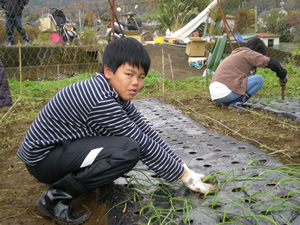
pixel 92 108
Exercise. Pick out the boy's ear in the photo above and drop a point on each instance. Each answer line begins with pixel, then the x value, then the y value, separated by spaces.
pixel 107 73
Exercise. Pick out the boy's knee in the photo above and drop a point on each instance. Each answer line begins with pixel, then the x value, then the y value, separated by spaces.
pixel 132 150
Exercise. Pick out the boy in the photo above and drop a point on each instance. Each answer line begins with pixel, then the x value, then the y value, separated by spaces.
pixel 89 134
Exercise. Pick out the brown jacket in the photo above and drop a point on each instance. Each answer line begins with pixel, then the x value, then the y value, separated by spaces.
pixel 234 70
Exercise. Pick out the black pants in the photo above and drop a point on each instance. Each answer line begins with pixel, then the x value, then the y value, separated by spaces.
pixel 92 161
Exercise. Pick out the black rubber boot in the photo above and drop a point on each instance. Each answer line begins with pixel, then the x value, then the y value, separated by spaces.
pixel 56 202
pixel 25 38
pixel 10 41
pixel 57 205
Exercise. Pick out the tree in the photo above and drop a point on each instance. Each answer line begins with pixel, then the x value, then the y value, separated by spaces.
pixel 244 19
pixel 89 18
pixel 276 23
pixel 294 24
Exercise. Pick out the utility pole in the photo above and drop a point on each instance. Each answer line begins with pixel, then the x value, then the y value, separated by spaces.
pixel 255 18
pixel 79 21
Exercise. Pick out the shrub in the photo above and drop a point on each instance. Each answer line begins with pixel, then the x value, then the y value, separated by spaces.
pixel 88 36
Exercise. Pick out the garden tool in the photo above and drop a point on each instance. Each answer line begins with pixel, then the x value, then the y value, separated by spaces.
pixel 282 91
pixel 282 84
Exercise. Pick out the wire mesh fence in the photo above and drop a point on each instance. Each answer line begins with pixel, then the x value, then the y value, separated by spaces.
pixel 40 62
pixel 83 53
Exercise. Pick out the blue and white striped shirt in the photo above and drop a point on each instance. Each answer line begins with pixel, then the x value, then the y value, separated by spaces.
pixel 92 108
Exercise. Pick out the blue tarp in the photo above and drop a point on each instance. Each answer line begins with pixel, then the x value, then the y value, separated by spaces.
pixel 239 37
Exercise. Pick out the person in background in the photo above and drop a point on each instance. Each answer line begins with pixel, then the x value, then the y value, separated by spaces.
pixel 5 97
pixel 235 81
pixel 13 17
pixel 90 134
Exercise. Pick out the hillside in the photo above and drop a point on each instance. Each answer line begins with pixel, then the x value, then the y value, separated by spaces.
pixel 71 8
pixel 57 3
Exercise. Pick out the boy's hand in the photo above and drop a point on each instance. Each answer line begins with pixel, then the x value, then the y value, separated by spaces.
pixel 194 182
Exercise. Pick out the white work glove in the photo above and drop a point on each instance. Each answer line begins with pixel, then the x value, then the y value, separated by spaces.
pixel 201 176
pixel 194 182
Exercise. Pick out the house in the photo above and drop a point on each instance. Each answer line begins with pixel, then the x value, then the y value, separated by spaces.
pixel 263 15
pixel 270 40
pixel 230 21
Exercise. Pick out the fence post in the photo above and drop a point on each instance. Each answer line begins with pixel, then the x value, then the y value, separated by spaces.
pixel 58 86
pixel 163 73
pixel 171 67
pixel 20 68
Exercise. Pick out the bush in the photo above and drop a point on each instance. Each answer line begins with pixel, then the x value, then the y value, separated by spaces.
pixel 42 39
pixel 32 33
pixel 88 36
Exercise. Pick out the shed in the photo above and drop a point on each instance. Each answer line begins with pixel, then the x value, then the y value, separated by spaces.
pixel 270 40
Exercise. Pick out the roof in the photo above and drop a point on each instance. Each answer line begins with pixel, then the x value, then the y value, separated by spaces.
pixel 230 17
pixel 265 35
pixel 270 11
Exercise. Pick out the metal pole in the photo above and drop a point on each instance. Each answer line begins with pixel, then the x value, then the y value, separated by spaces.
pixel 224 22
pixel 113 18
pixel 232 34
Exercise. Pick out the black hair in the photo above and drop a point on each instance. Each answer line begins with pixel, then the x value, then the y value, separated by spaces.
pixel 125 50
pixel 256 44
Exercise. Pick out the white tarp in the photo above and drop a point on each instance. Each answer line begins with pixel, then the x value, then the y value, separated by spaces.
pixel 194 23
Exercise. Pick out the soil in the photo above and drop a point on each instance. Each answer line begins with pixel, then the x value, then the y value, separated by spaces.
pixel 277 136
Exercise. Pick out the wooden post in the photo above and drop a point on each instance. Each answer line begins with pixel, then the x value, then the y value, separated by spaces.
pixel 163 73
pixel 20 68
pixel 58 86
pixel 172 76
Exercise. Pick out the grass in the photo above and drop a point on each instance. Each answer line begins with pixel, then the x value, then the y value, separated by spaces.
pixel 42 89
pixel 270 90
pixel 153 85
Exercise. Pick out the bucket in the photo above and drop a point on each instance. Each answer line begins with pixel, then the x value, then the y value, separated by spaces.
pixel 158 40
pixel 55 38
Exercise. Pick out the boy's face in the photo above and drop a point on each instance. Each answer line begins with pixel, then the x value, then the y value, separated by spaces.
pixel 127 80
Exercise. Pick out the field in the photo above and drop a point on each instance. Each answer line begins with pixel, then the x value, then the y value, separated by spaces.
pixel 277 136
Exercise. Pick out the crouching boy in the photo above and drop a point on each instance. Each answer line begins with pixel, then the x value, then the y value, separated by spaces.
pixel 89 134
